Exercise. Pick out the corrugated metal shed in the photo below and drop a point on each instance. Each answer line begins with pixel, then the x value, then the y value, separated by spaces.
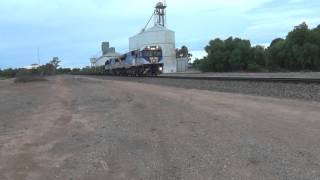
pixel 182 64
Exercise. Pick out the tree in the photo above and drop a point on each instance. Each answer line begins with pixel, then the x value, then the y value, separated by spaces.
pixel 183 52
pixel 216 59
pixel 75 70
pixel 55 62
pixel 300 50
pixel 47 70
pixel 316 40
pixel 273 42
pixel 63 71
pixel 276 54
pixel 258 59
pixel 196 63
pixel 232 54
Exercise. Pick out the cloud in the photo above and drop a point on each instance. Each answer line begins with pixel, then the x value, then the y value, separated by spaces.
pixel 74 29
pixel 277 18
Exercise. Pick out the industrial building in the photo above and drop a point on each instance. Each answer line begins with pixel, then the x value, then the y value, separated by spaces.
pixel 107 53
pixel 158 35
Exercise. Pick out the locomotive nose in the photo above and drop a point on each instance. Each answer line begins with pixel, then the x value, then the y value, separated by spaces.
pixel 154 60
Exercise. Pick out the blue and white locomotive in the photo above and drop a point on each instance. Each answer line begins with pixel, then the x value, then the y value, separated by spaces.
pixel 145 62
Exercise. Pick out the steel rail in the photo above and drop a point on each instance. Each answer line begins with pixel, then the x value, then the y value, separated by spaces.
pixel 229 78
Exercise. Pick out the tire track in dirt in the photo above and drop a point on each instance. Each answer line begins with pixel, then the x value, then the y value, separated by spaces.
pixel 27 153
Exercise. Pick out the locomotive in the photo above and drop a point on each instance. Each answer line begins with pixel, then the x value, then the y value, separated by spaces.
pixel 145 62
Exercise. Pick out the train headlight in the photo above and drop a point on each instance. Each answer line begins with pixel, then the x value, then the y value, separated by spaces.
pixel 160 68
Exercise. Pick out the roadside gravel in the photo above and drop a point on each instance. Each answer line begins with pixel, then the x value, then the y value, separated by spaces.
pixel 310 92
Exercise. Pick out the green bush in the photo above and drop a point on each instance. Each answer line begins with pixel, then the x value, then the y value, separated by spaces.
pixel 253 67
pixel 75 71
pixel 88 71
pixel 64 71
pixel 28 78
pixel 232 54
pixel 9 73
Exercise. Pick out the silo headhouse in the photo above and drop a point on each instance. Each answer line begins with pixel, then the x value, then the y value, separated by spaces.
pixel 158 35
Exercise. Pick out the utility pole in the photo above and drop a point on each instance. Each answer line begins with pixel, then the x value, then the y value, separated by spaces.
pixel 38 56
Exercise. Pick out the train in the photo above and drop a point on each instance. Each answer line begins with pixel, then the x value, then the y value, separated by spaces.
pixel 147 61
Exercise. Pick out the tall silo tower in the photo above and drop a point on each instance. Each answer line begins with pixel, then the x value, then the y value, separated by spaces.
pixel 158 35
pixel 105 46
pixel 160 14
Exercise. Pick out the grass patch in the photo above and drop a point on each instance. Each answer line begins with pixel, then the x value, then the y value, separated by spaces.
pixel 29 78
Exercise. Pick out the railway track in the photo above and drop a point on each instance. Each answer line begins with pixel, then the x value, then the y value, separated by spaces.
pixel 255 79
pixel 306 80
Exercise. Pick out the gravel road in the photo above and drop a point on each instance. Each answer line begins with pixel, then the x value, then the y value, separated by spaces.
pixel 84 128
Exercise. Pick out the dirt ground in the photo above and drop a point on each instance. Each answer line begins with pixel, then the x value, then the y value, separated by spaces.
pixel 81 128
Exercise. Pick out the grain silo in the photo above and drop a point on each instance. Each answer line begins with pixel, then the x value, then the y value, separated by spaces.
pixel 158 35
pixel 107 53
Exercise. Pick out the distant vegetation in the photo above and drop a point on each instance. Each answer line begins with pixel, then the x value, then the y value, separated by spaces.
pixel 48 69
pixel 7 73
pixel 300 51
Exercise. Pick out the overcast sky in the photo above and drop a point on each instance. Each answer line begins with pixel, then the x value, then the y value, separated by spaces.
pixel 74 29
